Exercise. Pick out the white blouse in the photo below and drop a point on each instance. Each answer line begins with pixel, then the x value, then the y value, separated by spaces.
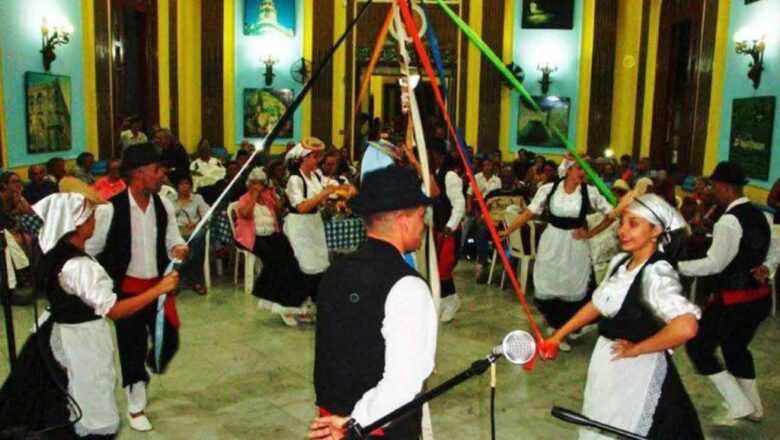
pixel 661 290
pixel 86 278
pixel 265 223
pixel 567 205
pixel 314 185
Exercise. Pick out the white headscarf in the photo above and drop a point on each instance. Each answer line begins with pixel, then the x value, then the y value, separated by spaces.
pixel 657 211
pixel 257 174
pixel 297 152
pixel 61 214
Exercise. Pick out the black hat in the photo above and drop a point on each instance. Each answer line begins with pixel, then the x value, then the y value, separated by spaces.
pixel 389 189
pixel 138 155
pixel 729 172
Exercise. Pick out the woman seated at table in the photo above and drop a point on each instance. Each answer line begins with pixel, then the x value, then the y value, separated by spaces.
pixel 279 285
pixel 190 208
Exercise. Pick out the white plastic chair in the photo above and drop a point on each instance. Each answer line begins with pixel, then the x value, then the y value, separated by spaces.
pixel 250 265
pixel 518 249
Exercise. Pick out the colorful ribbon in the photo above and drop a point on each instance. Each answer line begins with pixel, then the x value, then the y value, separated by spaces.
pixel 483 47
pixel 378 46
pixel 426 62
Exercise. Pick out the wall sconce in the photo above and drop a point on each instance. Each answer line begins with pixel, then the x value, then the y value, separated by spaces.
pixel 546 70
pixel 53 34
pixel 754 47
pixel 269 70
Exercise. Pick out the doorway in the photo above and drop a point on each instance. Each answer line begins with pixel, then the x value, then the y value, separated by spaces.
pixel 134 63
pixel 683 83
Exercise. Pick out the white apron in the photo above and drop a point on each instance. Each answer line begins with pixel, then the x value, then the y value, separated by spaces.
pixel 86 351
pixel 306 233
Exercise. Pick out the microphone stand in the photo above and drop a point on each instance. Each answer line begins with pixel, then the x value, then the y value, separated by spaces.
pixel 5 293
pixel 476 368
pixel 579 419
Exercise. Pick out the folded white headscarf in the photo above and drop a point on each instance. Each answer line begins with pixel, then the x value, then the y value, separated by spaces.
pixel 61 214
pixel 657 211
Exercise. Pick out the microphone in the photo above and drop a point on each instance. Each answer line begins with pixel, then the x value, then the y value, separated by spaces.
pixel 518 347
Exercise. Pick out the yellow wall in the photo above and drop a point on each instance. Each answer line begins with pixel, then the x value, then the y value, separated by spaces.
pixel 629 29
pixel 716 96
pixel 652 53
pixel 586 59
pixel 228 77
pixel 90 89
pixel 339 73
pixel 188 39
pixel 164 62
pixel 471 125
pixel 506 92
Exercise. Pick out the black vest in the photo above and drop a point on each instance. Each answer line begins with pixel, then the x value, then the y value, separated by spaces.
pixel 116 255
pixel 349 346
pixel 568 222
pixel 442 207
pixel 292 208
pixel 753 247
pixel 65 308
pixel 634 321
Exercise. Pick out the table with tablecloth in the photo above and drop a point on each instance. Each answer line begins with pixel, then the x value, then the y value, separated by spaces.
pixel 344 234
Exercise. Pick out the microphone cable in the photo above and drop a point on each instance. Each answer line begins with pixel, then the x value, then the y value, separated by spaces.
pixel 493 401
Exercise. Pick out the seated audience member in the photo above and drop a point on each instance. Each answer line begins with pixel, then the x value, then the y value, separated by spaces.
pixel 277 178
pixel 205 165
pixel 626 170
pixel 331 171
pixel 699 189
pixel 38 187
pixel 608 174
pixel 111 184
pixel 55 169
pixel 133 135
pixel 173 156
pixel 497 201
pixel 82 170
pixel 241 158
pixel 521 164
pixel 210 193
pixel 258 231
pixel 663 185
pixel 189 209
pixel 11 198
pixel 535 173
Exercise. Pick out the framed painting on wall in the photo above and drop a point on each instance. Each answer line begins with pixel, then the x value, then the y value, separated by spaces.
pixel 750 143
pixel 532 126
pixel 263 108
pixel 48 112
pixel 548 14
pixel 269 17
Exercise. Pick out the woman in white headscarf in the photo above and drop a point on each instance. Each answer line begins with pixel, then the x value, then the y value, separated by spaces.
pixel 562 269
pixel 73 348
pixel 642 314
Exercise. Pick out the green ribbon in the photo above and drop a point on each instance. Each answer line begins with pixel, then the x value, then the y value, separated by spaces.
pixel 524 93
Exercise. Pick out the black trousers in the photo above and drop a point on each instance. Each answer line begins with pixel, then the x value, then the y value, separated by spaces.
pixel 133 334
pixel 731 328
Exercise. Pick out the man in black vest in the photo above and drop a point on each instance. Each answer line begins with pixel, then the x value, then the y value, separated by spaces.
pixel 375 339
pixel 134 241
pixel 742 254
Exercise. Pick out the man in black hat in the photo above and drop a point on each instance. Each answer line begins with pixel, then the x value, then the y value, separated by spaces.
pixel 742 254
pixel 141 238
pixel 376 329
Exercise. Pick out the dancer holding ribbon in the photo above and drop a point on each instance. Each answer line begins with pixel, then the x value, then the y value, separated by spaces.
pixel 641 311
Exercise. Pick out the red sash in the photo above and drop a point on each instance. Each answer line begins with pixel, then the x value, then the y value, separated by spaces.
pixel 325 413
pixel 731 297
pixel 136 286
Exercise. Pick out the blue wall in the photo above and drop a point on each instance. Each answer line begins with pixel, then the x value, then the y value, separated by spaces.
pixel 20 41
pixel 249 68
pixel 534 45
pixel 765 15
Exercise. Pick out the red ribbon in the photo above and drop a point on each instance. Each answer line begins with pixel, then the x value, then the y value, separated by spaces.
pixel 426 62
pixel 137 286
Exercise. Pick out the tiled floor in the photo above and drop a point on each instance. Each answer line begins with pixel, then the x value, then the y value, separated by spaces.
pixel 242 374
